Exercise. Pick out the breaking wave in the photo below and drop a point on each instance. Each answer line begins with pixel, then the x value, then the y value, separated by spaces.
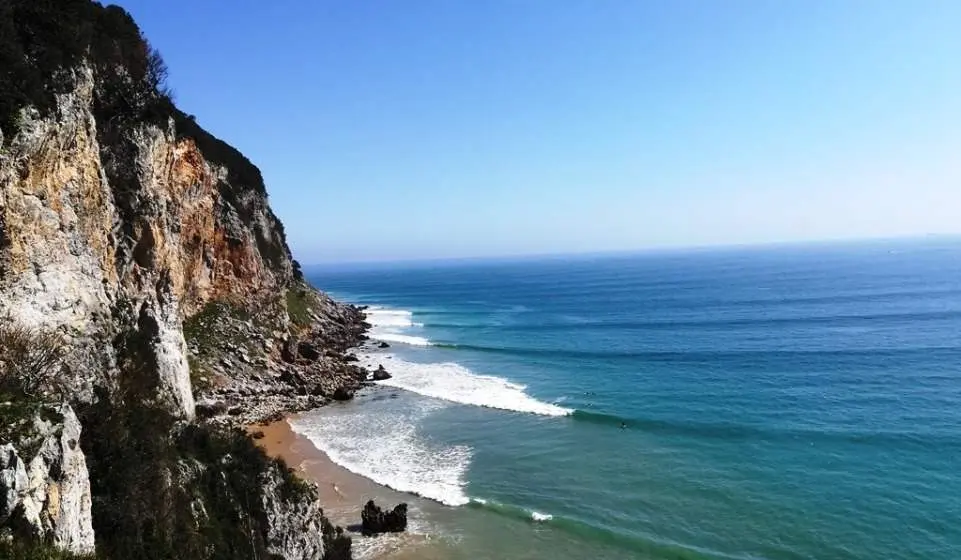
pixel 453 382
pixel 388 325
pixel 386 448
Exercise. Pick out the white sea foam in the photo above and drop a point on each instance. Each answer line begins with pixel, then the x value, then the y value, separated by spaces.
pixel 385 317
pixel 389 325
pixel 540 517
pixel 400 338
pixel 453 382
pixel 385 447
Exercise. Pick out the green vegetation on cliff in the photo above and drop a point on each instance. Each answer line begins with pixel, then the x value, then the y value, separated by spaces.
pixel 18 550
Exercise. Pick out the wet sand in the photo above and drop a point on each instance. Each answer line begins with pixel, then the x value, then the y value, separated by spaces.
pixel 343 494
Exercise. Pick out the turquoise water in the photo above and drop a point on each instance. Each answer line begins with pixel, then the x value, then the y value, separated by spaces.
pixel 770 403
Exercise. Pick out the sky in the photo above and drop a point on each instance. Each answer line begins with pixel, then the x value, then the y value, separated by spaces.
pixel 451 128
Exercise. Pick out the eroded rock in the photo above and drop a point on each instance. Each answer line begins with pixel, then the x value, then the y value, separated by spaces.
pixel 375 521
pixel 44 483
pixel 380 373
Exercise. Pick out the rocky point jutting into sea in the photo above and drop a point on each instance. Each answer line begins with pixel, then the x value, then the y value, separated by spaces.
pixel 150 306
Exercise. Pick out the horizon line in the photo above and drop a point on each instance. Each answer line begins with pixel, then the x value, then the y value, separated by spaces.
pixel 633 251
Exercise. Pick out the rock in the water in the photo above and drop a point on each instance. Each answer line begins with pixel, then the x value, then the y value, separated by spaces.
pixel 380 373
pixel 383 345
pixel 343 394
pixel 375 521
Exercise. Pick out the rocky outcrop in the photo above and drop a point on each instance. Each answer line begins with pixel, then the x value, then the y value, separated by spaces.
pixel 295 527
pixel 248 371
pixel 375 521
pixel 380 373
pixel 44 485
pixel 150 246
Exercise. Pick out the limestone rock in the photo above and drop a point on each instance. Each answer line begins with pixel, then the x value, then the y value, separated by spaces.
pixel 295 527
pixel 46 492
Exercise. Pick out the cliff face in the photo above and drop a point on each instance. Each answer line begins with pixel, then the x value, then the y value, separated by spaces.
pixel 122 220
pixel 48 494
pixel 78 249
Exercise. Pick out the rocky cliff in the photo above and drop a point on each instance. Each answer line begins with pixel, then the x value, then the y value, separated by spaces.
pixel 147 248
pixel 47 491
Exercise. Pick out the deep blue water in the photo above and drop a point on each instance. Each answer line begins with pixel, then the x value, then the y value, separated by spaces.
pixel 764 403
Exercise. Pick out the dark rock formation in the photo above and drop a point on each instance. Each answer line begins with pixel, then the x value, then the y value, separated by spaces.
pixel 381 374
pixel 337 543
pixel 375 521
pixel 383 345
pixel 308 351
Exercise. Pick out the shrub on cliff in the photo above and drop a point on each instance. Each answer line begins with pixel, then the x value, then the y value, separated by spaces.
pixel 30 359
pixel 299 306
pixel 19 550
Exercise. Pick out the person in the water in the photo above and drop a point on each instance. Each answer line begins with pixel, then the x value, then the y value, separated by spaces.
pixel 623 425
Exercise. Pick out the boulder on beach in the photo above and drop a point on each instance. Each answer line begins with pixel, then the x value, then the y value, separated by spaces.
pixel 380 373
pixel 383 345
pixel 375 521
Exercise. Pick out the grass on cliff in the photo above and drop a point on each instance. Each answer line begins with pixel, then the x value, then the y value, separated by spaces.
pixel 204 327
pixel 222 324
pixel 299 306
pixel 20 550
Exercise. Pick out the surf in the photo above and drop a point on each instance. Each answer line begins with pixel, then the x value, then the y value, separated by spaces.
pixel 384 445
pixel 452 382
pixel 389 325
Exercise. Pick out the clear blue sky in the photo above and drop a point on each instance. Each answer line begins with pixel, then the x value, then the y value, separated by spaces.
pixel 419 129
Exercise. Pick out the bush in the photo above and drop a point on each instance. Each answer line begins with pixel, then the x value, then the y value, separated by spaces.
pixel 298 306
pixel 30 359
pixel 19 550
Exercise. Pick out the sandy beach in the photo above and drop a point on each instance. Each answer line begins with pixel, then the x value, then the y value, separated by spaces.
pixel 343 495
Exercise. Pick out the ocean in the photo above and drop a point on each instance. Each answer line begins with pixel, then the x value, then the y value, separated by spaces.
pixel 783 402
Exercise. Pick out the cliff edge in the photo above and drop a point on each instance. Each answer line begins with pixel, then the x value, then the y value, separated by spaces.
pixel 143 252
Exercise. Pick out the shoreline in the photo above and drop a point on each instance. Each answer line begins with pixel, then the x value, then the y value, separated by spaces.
pixel 342 493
